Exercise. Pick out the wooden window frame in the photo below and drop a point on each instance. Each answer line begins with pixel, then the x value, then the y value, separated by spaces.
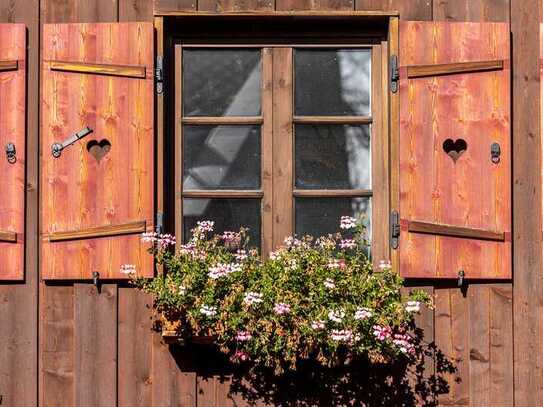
pixel 277 188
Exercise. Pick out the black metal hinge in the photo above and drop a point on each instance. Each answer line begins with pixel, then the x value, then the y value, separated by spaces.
pixel 159 74
pixel 394 229
pixel 159 226
pixel 394 73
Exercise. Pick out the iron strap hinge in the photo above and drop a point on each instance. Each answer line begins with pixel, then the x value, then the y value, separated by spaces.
pixel 394 73
pixel 159 74
pixel 159 225
pixel 394 229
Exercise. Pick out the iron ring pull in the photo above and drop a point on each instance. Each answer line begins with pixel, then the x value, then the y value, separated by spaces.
pixel 56 148
pixel 11 153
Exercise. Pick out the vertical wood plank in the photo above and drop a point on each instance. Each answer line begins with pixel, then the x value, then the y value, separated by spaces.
pixel 221 6
pixel 282 145
pixel 409 9
pixel 267 150
pixel 317 5
pixel 135 10
pixel 95 327
pixel 57 350
pixel 134 348
pixel 79 11
pixel 527 185
pixel 170 6
pixel 479 345
pixel 470 10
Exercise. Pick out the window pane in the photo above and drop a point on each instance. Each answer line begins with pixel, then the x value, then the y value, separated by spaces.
pixel 221 157
pixel 221 82
pixel 332 82
pixel 321 216
pixel 228 215
pixel 332 157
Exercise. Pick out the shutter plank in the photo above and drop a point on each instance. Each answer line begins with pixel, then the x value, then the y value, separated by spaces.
pixel 467 198
pixel 100 76
pixel 12 130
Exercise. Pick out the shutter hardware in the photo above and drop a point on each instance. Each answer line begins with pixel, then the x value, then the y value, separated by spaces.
pixel 159 228
pixel 56 148
pixel 394 229
pixel 96 280
pixel 11 153
pixel 394 73
pixel 159 74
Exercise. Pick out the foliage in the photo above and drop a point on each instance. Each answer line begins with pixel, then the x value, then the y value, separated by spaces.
pixel 316 299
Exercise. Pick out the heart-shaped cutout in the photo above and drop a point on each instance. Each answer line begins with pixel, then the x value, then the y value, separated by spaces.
pixel 455 149
pixel 98 149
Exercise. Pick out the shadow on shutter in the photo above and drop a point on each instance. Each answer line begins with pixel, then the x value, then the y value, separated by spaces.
pixel 98 192
pixel 12 156
pixel 455 182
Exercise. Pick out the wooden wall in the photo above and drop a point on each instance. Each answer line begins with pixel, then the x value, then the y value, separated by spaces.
pixel 63 344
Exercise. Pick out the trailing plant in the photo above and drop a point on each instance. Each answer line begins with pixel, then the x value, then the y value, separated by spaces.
pixel 316 299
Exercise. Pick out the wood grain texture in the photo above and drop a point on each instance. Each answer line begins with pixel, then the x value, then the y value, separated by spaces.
pixel 422 71
pixel 79 191
pixel 221 6
pixel 316 5
pixel 135 10
pixel 8 237
pixel 408 9
pixel 12 130
pixel 79 11
pixel 472 192
pixel 454 231
pixel 98 69
pixel 169 6
pixel 95 344
pixel 9 65
pixel 100 231
pixel 471 10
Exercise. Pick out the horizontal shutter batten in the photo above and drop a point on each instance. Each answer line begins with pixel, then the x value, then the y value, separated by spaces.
pixel 422 71
pixel 99 69
pixel 8 237
pixel 99 231
pixel 453 231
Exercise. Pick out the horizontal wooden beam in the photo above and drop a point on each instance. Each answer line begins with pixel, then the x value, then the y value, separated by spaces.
pixel 8 237
pixel 98 69
pixel 222 194
pixel 332 120
pixel 100 231
pixel 453 231
pixel 422 71
pixel 303 13
pixel 332 193
pixel 9 66
pixel 215 121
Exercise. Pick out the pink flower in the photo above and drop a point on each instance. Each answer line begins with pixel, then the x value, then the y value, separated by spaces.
pixel 222 270
pixel 239 355
pixel 347 244
pixel 343 335
pixel 252 298
pixel 162 241
pixel 382 333
pixel 403 341
pixel 336 316
pixel 292 242
pixel 241 255
pixel 128 269
pixel 347 222
pixel 281 308
pixel 317 325
pixel 336 264
pixel 362 313
pixel 243 336
pixel 205 225
pixel 385 265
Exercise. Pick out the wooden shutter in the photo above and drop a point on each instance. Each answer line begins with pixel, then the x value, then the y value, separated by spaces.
pixel 454 202
pixel 97 195
pixel 12 143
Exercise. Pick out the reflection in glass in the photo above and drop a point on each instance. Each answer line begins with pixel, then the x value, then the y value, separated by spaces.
pixel 221 157
pixel 321 216
pixel 221 82
pixel 332 157
pixel 228 215
pixel 332 82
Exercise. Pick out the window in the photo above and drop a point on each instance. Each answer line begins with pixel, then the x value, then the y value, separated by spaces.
pixel 281 139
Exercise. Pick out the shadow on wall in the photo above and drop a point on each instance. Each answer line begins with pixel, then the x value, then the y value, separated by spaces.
pixel 360 384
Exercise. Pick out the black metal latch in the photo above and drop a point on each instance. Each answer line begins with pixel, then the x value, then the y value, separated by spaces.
pixel 495 153
pixel 11 153
pixel 394 73
pixel 159 74
pixel 56 148
pixel 395 229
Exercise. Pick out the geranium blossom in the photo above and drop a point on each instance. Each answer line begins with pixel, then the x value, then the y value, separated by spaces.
pixel 412 306
pixel 347 244
pixel 403 341
pixel 336 316
pixel 343 335
pixel 241 255
pixel 281 308
pixel 329 283
pixel 385 265
pixel 317 325
pixel 362 313
pixel 182 289
pixel 161 240
pixel 208 311
pixel 251 298
pixel 128 269
pixel 240 355
pixel 382 332
pixel 222 270
pixel 206 225
pixel 336 264
pixel 243 336
pixel 292 242
pixel 347 222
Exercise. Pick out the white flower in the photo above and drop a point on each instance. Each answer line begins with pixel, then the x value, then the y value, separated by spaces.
pixel 412 306
pixel 128 269
pixel 208 310
pixel 385 265
pixel 336 316
pixel 343 335
pixel 223 269
pixel 251 298
pixel 347 222
pixel 347 244
pixel 362 313
pixel 241 255
pixel 293 264
pixel 182 289
pixel 329 283
pixel 317 325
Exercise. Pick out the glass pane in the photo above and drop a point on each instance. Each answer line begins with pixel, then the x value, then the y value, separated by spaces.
pixel 321 216
pixel 332 82
pixel 332 157
pixel 228 215
pixel 221 157
pixel 221 82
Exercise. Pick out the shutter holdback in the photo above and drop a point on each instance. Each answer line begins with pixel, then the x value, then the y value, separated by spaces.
pixel 56 148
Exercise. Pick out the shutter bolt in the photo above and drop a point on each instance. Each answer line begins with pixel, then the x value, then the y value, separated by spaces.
pixel 11 153
pixel 461 276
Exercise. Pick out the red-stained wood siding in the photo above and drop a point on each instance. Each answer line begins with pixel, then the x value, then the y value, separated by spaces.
pixel 12 130
pixel 83 191
pixel 467 191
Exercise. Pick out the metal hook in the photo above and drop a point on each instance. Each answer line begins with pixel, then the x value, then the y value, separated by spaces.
pixel 461 276
pixel 96 280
